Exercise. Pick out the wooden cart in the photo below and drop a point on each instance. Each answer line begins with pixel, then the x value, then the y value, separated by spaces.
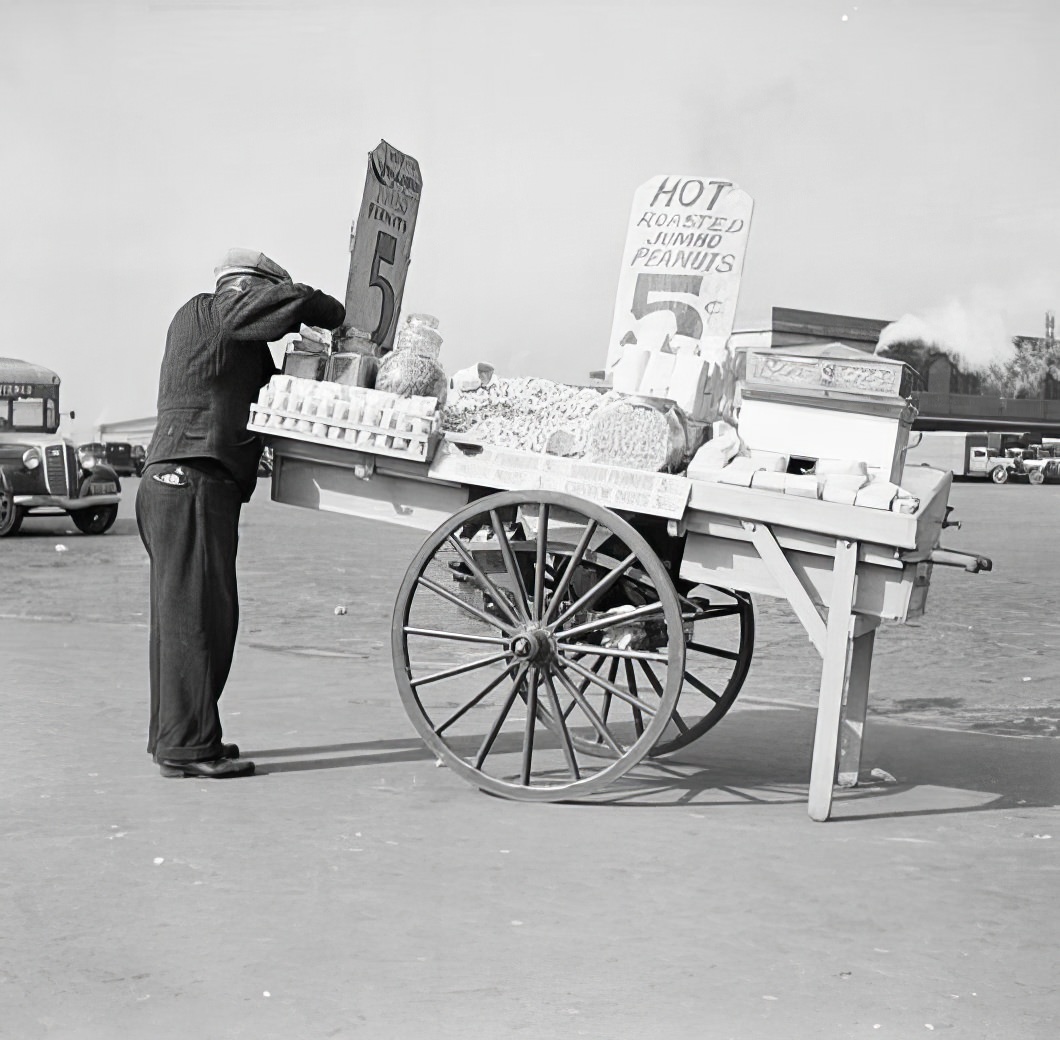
pixel 563 620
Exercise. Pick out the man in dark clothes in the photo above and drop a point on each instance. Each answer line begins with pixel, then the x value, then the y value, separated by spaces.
pixel 201 467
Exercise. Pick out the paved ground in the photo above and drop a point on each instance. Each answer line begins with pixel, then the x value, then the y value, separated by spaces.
pixel 354 889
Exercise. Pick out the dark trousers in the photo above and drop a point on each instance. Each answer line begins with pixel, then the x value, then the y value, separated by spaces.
pixel 190 527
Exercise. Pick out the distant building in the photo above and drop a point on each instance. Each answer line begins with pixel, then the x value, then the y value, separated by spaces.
pixel 133 431
pixel 793 328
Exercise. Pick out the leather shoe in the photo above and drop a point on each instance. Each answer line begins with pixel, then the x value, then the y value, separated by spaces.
pixel 209 769
pixel 227 751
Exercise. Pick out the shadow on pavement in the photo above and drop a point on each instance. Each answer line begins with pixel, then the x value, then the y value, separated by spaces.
pixel 761 757
pixel 369 752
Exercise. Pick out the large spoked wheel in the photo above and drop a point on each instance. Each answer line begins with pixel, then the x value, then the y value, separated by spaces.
pixel 1036 476
pixel 10 514
pixel 497 629
pixel 720 626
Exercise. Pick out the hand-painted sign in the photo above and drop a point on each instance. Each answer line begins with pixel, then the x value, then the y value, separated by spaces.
pixel 382 244
pixel 677 294
pixel 681 267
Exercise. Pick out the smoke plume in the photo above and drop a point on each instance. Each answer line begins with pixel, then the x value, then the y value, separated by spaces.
pixel 975 338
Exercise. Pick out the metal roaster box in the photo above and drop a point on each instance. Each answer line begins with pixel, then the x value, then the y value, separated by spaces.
pixel 838 405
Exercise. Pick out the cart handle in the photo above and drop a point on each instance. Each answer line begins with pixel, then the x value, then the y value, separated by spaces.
pixel 969 561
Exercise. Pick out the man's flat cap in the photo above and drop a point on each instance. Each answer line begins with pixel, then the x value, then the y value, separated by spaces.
pixel 249 261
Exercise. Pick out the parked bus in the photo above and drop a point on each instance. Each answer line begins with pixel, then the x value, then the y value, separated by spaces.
pixel 40 473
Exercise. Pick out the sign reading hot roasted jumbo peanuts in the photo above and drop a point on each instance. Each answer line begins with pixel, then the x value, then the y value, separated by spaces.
pixel 681 266
pixel 382 244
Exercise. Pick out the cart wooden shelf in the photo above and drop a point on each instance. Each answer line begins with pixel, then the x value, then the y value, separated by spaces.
pixel 563 620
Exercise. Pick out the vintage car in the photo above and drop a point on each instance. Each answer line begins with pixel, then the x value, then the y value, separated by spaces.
pixel 41 473
pixel 119 455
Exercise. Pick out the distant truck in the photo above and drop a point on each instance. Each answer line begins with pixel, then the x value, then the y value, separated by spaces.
pixel 996 455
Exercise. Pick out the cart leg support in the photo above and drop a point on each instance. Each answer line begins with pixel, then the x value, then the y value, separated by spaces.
pixel 854 707
pixel 835 672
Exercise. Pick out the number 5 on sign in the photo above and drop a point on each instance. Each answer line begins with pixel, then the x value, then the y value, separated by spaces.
pixel 382 244
pixel 681 267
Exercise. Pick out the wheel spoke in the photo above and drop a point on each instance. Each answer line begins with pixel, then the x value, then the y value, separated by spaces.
pixel 675 716
pixel 709 613
pixel 568 747
pixel 614 651
pixel 459 669
pixel 487 743
pixel 480 696
pixel 652 678
pixel 466 607
pixel 482 579
pixel 462 637
pixel 521 599
pixel 584 684
pixel 596 591
pixel 631 682
pixel 590 714
pixel 615 691
pixel 715 651
pixel 539 569
pixel 572 565
pixel 702 687
pixel 608 621
pixel 612 671
pixel 528 732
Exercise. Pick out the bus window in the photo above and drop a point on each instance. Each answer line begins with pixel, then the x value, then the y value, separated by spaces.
pixel 51 419
pixel 27 413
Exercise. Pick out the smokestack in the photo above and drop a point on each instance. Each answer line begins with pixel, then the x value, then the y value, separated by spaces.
pixel 1050 328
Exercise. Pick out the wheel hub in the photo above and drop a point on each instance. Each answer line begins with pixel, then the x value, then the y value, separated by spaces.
pixel 533 645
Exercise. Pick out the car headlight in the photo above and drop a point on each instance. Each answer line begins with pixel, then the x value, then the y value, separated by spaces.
pixel 89 461
pixel 30 458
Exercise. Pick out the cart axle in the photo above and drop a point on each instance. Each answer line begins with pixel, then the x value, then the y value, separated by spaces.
pixel 534 645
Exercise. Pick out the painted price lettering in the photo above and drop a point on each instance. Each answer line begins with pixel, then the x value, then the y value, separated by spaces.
pixel 385 252
pixel 689 321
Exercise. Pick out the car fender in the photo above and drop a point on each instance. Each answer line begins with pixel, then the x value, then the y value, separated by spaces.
pixel 99 474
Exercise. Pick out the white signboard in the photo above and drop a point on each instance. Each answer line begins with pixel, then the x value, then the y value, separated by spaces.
pixel 682 264
pixel 681 269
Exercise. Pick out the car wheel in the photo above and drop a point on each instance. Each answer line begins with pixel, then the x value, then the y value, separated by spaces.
pixel 10 514
pixel 999 475
pixel 94 521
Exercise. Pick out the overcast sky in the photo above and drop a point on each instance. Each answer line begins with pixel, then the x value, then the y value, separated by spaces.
pixel 903 157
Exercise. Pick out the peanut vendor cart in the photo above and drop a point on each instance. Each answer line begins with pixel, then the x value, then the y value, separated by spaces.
pixel 564 619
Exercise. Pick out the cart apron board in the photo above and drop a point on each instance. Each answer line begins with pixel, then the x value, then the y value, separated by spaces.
pixel 563 620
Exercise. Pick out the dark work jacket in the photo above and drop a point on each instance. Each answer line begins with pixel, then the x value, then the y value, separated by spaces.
pixel 217 358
